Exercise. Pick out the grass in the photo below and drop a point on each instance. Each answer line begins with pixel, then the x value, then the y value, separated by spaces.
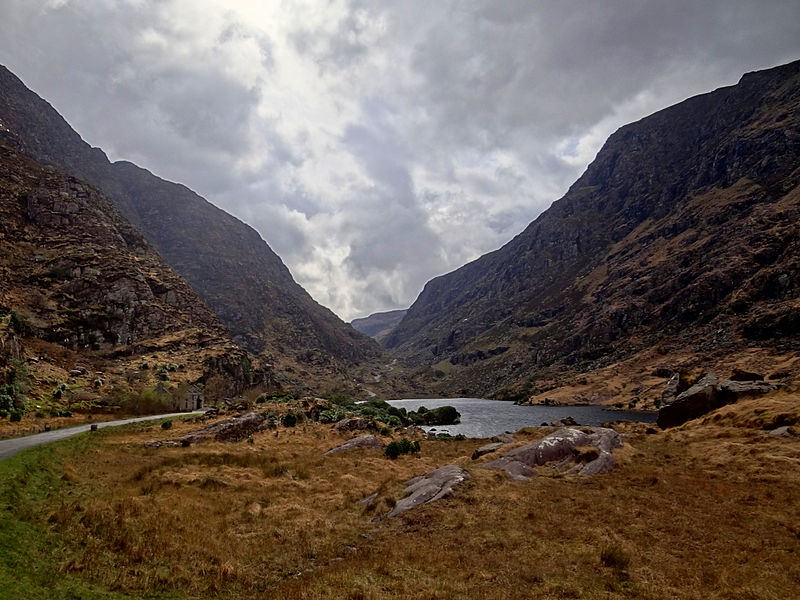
pixel 704 511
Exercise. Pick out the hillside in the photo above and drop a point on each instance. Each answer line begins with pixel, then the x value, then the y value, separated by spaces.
pixel 85 300
pixel 681 236
pixel 224 260
pixel 379 325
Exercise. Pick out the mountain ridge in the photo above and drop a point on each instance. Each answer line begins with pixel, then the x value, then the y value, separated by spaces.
pixel 524 307
pixel 226 261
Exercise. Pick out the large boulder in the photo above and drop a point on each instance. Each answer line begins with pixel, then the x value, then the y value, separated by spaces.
pixel 364 441
pixel 708 394
pixel 586 452
pixel 234 429
pixel 430 487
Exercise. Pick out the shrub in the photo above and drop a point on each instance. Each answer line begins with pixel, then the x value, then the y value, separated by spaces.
pixel 16 416
pixel 17 323
pixel 404 446
pixel 39 414
pixel 615 558
pixel 3 413
pixel 392 450
pixel 166 424
pixel 385 431
pixel 288 420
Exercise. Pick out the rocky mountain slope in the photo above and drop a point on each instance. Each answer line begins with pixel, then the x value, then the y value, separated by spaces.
pixel 224 260
pixel 379 325
pixel 682 236
pixel 81 286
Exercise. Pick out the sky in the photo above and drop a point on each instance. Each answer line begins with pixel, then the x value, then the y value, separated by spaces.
pixel 375 145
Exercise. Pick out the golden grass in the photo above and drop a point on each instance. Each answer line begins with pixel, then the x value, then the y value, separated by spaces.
pixel 701 512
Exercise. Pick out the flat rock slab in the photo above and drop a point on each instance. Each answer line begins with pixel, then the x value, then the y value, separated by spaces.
pixel 566 447
pixel 430 487
pixel 364 441
pixel 234 429
pixel 487 449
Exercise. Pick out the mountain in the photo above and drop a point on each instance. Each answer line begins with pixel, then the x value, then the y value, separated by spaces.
pixel 81 285
pixel 682 235
pixel 224 260
pixel 379 325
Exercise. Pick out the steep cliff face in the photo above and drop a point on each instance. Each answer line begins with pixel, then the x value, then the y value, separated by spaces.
pixel 83 275
pixel 79 285
pixel 684 230
pixel 225 261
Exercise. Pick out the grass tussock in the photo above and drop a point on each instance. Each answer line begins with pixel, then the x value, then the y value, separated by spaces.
pixel 697 512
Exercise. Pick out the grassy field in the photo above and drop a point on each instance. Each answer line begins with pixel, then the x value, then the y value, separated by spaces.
pixel 706 511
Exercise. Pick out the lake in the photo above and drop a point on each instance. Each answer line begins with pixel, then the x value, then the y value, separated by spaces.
pixel 481 418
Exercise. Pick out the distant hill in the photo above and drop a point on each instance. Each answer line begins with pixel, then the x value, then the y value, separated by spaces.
pixel 682 235
pixel 379 325
pixel 224 260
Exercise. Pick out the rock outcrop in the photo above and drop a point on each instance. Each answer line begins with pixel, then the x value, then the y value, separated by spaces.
pixel 709 393
pixel 572 451
pixel 431 486
pixel 234 429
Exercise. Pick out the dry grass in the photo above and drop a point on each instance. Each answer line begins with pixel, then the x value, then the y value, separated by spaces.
pixel 701 512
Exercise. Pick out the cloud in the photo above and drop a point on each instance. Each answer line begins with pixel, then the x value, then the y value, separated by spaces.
pixel 377 144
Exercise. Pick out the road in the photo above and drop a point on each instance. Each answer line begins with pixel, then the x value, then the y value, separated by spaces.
pixel 10 447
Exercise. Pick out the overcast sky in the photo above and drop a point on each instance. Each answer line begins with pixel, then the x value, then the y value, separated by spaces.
pixel 377 144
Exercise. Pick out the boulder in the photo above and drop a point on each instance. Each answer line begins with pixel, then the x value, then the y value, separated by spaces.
pixel 430 487
pixel 234 429
pixel 785 431
pixel 567 447
pixel 487 449
pixel 708 394
pixel 506 437
pixel 355 424
pixel 671 390
pixel 364 441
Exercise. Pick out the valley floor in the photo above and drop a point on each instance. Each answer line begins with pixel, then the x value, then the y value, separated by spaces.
pixel 705 511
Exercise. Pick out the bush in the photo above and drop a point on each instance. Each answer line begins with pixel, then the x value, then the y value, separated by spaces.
pixel 166 424
pixel 16 416
pixel 3 413
pixel 385 431
pixel 615 558
pixel 288 420
pixel 17 323
pixel 404 446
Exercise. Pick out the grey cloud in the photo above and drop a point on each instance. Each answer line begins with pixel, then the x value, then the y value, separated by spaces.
pixel 445 126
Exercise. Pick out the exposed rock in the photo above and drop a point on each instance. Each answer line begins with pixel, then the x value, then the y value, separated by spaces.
pixel 487 449
pixel 506 437
pixel 785 431
pixel 430 487
pixel 368 500
pixel 742 375
pixel 671 390
pixel 364 441
pixel 569 422
pixel 355 424
pixel 560 446
pixel 708 394
pixel 234 429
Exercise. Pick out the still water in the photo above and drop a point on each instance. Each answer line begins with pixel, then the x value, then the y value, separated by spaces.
pixel 484 418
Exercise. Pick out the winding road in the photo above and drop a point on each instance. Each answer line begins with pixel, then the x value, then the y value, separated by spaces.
pixel 10 447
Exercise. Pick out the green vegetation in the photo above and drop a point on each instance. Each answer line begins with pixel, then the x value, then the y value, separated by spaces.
pixel 166 424
pixel 404 446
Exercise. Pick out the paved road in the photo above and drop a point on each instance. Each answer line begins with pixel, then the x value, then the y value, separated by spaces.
pixel 10 447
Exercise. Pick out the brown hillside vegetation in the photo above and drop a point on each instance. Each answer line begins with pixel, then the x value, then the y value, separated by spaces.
pixel 705 511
